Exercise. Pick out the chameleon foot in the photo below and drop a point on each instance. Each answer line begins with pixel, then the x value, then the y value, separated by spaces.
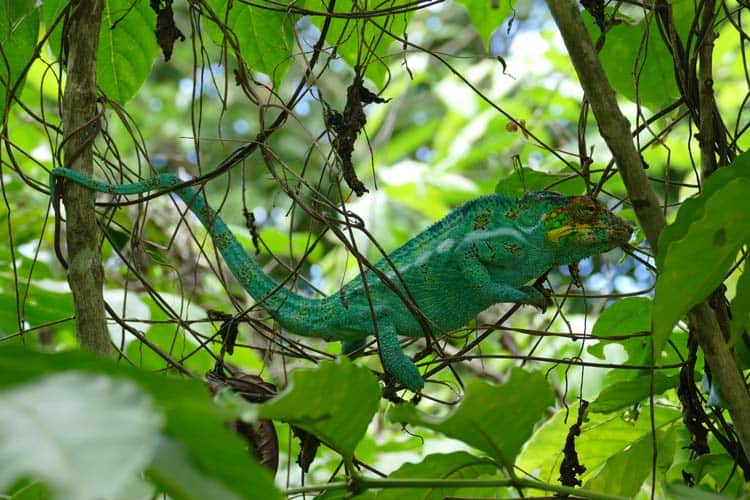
pixel 406 373
pixel 537 297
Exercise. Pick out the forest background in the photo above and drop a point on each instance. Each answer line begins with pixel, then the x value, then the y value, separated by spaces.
pixel 631 385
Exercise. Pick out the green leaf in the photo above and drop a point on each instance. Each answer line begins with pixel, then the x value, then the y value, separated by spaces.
pixel 85 436
pixel 456 465
pixel 711 245
pixel 362 42
pixel 624 317
pixel 19 29
pixel 741 306
pixel 624 473
pixel 637 53
pixel 694 208
pixel 265 37
pixel 127 45
pixel 26 489
pixel 347 398
pixel 192 420
pixel 127 48
pixel 487 17
pixel 712 470
pixel 685 492
pixel 38 306
pixel 533 180
pixel 488 408
pixel 602 437
pixel 628 392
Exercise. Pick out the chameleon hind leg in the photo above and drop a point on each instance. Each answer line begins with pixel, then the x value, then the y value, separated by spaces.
pixel 395 361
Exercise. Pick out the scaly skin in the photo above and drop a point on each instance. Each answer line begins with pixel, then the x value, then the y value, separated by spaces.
pixel 482 253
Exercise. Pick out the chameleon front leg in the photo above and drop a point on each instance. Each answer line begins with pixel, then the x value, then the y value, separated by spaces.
pixel 473 260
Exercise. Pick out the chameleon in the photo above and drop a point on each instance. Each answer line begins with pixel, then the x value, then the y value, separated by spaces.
pixel 483 252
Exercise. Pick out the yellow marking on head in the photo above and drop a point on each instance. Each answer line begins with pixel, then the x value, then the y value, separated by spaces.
pixel 554 235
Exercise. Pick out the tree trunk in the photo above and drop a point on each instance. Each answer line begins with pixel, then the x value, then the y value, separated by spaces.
pixel 80 126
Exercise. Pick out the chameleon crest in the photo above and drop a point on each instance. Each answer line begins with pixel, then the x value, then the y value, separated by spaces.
pixel 482 253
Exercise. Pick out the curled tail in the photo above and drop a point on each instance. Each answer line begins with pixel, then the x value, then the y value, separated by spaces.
pixel 294 312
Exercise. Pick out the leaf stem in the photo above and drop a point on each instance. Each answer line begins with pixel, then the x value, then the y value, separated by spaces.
pixel 359 483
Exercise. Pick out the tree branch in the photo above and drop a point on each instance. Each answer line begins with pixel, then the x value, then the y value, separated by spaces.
pixel 615 129
pixel 80 126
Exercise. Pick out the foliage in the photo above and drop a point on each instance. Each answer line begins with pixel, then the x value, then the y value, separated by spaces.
pixel 117 422
pixel 482 99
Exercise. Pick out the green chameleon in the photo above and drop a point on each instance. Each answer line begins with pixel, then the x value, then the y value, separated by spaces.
pixel 482 253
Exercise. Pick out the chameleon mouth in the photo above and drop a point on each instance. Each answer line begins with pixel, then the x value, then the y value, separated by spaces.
pixel 620 232
pixel 554 235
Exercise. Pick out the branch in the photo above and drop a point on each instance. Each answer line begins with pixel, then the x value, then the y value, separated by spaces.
pixel 80 126
pixel 615 129
pixel 359 483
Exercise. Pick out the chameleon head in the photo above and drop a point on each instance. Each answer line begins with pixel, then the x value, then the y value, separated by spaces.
pixel 578 226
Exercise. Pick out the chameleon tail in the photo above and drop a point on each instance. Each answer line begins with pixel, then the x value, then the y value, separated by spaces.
pixel 285 306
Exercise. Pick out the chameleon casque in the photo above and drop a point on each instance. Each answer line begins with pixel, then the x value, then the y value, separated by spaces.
pixel 482 253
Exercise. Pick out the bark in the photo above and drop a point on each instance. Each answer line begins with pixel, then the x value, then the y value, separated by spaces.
pixel 80 126
pixel 615 129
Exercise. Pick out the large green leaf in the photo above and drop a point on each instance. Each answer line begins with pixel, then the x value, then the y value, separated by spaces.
pixel 710 245
pixel 127 45
pixel 741 305
pixel 193 421
pixel 362 41
pixel 497 419
pixel 127 48
pixel 19 29
pixel 456 465
pixel 334 401
pixel 623 474
pixel 602 437
pixel 265 37
pixel 85 436
pixel 683 231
